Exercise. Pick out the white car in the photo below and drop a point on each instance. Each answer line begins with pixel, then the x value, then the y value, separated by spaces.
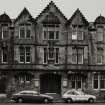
pixel 77 96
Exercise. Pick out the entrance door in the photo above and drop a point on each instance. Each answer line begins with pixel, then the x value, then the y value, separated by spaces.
pixel 3 85
pixel 50 83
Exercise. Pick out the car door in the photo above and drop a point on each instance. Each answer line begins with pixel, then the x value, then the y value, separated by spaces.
pixel 35 97
pixel 72 95
pixel 29 97
pixel 80 97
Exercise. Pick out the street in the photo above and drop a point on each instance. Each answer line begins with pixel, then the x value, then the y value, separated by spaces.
pixel 52 104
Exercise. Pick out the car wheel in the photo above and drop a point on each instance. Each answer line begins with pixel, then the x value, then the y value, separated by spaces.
pixel 69 100
pixel 46 100
pixel 91 100
pixel 20 100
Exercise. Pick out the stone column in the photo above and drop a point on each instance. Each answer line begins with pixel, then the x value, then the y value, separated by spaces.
pixel 36 82
pixel 64 83
pixel 89 81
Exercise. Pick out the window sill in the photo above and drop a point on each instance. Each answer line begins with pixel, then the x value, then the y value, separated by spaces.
pixel 51 59
pixel 74 63
pixel 51 39
pixel 98 89
pixel 25 38
pixel 24 63
pixel 99 63
pixel 4 62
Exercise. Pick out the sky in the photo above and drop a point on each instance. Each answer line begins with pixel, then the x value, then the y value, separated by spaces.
pixel 90 8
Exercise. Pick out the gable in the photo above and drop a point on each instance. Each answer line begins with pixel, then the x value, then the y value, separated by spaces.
pixel 77 19
pixel 51 8
pixel 24 16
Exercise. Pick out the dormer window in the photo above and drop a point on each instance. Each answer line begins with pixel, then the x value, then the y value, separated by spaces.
pixel 24 31
pixel 51 33
pixel 77 32
pixel 74 35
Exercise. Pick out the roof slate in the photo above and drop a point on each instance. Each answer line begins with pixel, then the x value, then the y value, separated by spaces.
pixel 100 20
pixel 5 18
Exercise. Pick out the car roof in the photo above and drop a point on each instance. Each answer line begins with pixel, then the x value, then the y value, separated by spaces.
pixel 28 91
pixel 77 91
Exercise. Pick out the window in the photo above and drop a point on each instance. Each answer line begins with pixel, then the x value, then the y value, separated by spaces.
pixel 25 31
pixel 80 56
pixel 74 35
pixel 77 55
pixel 50 33
pixel 28 32
pixel 76 81
pixel 100 33
pixel 99 81
pixel 28 54
pixel 45 35
pixel 25 55
pixel 80 35
pixel 57 34
pixel 96 81
pixel 57 55
pixel 102 81
pixel 23 77
pixel 22 55
pixel 4 56
pixel 77 32
pixel 99 56
pixel 5 32
pixel 74 55
pixel 22 32
pixel 51 53
pixel 45 55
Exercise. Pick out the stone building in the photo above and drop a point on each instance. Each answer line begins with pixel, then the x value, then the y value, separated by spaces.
pixel 51 53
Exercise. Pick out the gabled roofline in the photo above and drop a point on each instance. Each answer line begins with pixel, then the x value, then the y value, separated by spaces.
pixel 51 3
pixel 5 17
pixel 77 11
pixel 24 10
pixel 99 20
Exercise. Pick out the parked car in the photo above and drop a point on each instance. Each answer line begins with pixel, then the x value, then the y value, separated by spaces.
pixel 77 96
pixel 31 96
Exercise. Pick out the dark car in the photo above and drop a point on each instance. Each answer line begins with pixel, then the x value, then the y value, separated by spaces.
pixel 31 96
